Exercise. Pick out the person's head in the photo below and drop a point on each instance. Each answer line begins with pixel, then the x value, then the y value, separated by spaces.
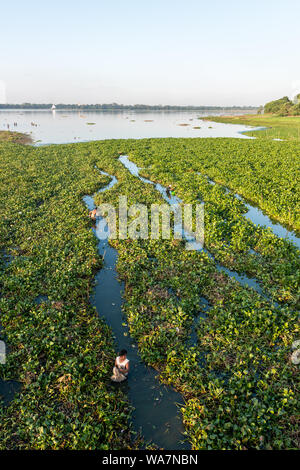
pixel 123 353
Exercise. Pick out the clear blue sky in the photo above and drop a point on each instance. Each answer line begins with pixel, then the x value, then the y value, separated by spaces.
pixel 214 52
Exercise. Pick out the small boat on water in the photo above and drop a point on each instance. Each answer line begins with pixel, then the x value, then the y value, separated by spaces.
pixel 53 107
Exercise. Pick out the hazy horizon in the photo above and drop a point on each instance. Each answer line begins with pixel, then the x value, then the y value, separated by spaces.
pixel 123 104
pixel 169 53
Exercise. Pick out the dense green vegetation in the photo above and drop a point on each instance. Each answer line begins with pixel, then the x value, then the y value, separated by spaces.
pixel 59 349
pixel 281 117
pixel 283 107
pixel 286 128
pixel 266 173
pixel 239 385
pixel 125 107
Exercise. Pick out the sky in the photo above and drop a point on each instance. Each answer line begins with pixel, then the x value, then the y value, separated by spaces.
pixel 188 52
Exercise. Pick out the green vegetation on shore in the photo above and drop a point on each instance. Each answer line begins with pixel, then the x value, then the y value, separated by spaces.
pixel 285 128
pixel 238 382
pixel 284 107
pixel 281 118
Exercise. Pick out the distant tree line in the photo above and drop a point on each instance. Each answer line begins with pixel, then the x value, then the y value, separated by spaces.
pixel 284 106
pixel 116 106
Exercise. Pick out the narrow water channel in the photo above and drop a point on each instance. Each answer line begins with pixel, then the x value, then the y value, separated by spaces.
pixel 156 412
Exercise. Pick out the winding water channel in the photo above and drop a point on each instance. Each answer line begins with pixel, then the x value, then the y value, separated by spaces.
pixel 156 412
pixel 255 214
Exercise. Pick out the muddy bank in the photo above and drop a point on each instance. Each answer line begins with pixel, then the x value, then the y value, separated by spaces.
pixel 15 137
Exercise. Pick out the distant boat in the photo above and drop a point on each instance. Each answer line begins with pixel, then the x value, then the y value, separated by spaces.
pixel 53 107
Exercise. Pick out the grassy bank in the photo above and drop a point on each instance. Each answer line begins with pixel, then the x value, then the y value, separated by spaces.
pixel 238 382
pixel 15 137
pixel 286 128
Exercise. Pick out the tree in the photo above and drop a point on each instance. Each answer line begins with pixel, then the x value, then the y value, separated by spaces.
pixel 277 106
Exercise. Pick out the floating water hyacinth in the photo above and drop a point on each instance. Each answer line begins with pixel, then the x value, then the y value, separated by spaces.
pixel 296 344
pixel 2 352
pixel 244 331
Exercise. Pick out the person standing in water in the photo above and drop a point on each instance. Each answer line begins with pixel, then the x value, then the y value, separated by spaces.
pixel 121 369
pixel 93 214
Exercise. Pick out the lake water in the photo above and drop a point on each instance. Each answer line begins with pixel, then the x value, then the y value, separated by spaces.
pixel 56 127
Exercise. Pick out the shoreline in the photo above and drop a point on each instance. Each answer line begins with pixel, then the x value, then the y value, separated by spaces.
pixel 271 126
pixel 15 137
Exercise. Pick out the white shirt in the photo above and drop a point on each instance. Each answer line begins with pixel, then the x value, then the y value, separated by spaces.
pixel 121 365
